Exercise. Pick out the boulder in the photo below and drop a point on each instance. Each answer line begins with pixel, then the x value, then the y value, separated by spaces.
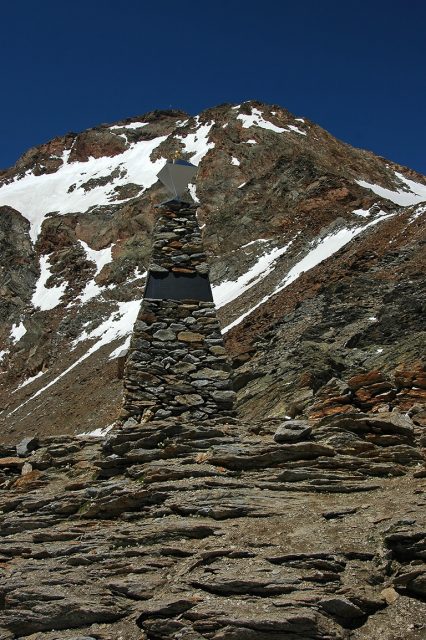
pixel 293 431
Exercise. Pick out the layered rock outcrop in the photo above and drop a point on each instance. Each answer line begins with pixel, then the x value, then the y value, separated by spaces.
pixel 217 530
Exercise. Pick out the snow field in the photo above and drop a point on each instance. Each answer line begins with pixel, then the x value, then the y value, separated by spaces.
pixel 63 191
pixel 132 125
pixel 36 196
pixel 100 257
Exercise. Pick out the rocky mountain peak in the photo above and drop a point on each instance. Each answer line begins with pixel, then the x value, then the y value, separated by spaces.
pixel 292 220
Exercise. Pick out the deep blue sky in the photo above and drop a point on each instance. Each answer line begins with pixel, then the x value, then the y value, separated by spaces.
pixel 356 68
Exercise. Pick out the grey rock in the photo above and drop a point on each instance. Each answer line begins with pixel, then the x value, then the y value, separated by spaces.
pixel 227 397
pixel 165 335
pixel 162 413
pixel 293 431
pixel 26 446
pixel 156 268
pixel 190 399
pixel 339 513
pixel 210 374
pixel 130 422
pixel 341 607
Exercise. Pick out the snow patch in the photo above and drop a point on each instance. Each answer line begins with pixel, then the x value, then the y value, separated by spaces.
pixel 96 433
pixel 197 143
pixel 418 212
pixel 235 162
pixel 100 257
pixel 29 380
pixel 193 191
pixel 248 244
pixel 416 191
pixel 90 291
pixel 297 130
pixel 256 119
pixel 227 291
pixel 323 250
pixel 326 248
pixel 132 125
pixel 137 275
pixel 364 213
pixel 118 325
pixel 17 332
pixel 119 350
pixel 46 298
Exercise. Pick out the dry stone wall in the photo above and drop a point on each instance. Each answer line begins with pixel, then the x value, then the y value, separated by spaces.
pixel 177 364
pixel 177 245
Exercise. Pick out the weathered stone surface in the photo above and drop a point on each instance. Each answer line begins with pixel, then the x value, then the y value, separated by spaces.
pixel 205 532
pixel 227 397
pixel 165 335
pixel 26 446
pixel 12 462
pixel 190 336
pixel 342 608
pixel 210 374
pixel 190 400
pixel 293 431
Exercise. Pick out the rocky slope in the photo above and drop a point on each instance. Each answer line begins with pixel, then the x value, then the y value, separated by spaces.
pixel 304 517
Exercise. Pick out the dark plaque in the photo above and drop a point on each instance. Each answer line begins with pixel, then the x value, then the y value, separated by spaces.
pixel 178 286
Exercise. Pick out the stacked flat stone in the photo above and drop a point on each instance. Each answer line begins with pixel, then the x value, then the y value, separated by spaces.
pixel 178 245
pixel 177 364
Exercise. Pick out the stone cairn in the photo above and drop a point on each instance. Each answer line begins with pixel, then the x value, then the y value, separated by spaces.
pixel 177 364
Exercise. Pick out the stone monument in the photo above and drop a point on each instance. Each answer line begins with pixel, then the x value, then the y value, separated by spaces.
pixel 177 364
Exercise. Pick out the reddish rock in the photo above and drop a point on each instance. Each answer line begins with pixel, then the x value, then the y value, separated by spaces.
pixel 96 144
pixel 322 411
pixel 11 462
pixel 407 398
pixel 366 379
